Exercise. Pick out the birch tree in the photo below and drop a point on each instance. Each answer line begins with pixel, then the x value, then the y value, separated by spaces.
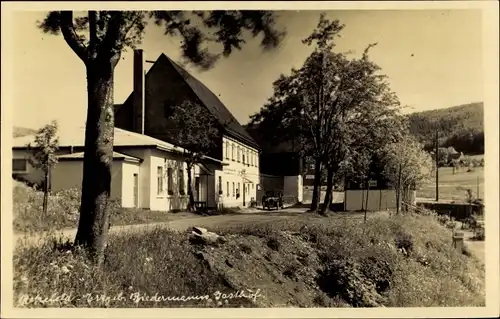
pixel 98 39
pixel 43 155
pixel 407 167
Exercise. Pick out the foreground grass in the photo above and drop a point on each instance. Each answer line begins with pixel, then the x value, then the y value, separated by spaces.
pixel 400 261
pixel 63 210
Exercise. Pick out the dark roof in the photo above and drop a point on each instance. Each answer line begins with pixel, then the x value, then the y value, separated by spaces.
pixel 214 105
pixel 231 126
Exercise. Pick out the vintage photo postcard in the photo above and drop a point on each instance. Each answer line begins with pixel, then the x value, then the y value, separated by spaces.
pixel 250 159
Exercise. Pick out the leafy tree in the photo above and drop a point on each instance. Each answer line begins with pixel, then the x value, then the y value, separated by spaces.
pixel 356 104
pixel 333 103
pixel 407 166
pixel 299 100
pixel 44 156
pixel 98 39
pixel 196 130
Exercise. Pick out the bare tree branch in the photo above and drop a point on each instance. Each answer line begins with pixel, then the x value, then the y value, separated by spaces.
pixel 70 36
pixel 110 44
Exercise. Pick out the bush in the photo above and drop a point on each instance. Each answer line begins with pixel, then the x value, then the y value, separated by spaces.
pixel 443 219
pixel 62 209
pixel 404 241
pixel 274 243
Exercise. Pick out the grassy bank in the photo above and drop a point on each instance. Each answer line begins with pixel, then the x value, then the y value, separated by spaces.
pixel 305 261
pixel 63 210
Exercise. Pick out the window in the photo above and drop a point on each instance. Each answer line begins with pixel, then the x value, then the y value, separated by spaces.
pixel 170 181
pixel 248 158
pixel 243 157
pixel 181 181
pixel 233 190
pixel 227 150
pixel 220 184
pixel 238 154
pixel 238 189
pixel 159 176
pixel 232 152
pixel 227 189
pixel 19 165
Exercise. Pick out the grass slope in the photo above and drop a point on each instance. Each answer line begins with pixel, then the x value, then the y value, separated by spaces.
pixel 454 186
pixel 304 261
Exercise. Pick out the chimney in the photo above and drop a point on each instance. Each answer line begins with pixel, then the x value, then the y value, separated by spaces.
pixel 138 98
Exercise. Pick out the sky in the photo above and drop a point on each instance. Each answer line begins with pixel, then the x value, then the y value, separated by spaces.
pixel 433 59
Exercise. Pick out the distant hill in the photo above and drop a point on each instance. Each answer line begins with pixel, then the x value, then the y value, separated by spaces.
pixel 22 131
pixel 460 126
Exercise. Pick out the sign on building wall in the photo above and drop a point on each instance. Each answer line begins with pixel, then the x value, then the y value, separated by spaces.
pixel 309 176
pixel 372 183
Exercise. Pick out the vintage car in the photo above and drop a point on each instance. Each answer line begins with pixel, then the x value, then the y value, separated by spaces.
pixel 272 199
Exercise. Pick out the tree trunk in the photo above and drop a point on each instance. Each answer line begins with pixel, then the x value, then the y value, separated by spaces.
pixel 398 192
pixel 45 193
pixel 317 185
pixel 403 200
pixel 366 200
pixel 96 185
pixel 190 189
pixel 328 195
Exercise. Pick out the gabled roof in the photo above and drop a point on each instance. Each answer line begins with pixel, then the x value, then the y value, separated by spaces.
pixel 214 105
pixel 231 126
pixel 75 137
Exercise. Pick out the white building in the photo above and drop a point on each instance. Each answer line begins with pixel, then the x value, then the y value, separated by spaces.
pixel 146 172
pixel 148 169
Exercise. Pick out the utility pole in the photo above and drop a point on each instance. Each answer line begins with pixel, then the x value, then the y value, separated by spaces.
pixel 437 166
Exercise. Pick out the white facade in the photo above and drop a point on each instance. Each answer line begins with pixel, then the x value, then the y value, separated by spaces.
pixel 155 176
pixel 240 173
pixel 133 184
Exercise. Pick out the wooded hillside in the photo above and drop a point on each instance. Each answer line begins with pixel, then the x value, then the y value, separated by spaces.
pixel 460 126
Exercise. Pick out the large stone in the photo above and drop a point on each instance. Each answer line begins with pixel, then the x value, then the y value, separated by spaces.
pixel 201 236
pixel 200 230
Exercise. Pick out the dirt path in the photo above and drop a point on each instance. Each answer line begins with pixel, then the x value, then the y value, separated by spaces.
pixel 183 224
pixel 179 224
pixel 476 247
